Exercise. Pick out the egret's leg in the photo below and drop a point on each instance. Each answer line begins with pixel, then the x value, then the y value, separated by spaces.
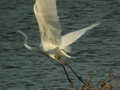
pixel 68 65
pixel 69 79
pixel 80 78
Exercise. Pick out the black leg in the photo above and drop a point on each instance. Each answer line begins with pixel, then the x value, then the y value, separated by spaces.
pixel 80 78
pixel 69 79
pixel 68 65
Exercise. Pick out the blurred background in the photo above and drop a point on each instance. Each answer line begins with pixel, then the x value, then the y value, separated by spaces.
pixel 98 49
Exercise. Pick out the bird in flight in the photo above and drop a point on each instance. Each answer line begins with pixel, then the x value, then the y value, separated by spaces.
pixel 53 44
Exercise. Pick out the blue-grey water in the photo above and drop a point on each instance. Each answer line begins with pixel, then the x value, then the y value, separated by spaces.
pixel 98 49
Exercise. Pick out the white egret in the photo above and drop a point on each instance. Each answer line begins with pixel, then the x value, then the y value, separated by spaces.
pixel 52 43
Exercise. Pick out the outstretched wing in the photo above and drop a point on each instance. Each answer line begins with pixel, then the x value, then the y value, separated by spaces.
pixel 46 15
pixel 71 37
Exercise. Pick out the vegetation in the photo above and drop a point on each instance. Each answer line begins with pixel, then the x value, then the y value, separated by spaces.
pixel 103 84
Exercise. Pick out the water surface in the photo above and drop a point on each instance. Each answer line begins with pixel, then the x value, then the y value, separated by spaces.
pixel 99 48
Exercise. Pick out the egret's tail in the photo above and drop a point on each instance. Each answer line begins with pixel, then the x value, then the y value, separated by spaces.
pixel 25 40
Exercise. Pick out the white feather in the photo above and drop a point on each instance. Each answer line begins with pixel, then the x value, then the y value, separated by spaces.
pixel 50 30
pixel 48 21
pixel 71 37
